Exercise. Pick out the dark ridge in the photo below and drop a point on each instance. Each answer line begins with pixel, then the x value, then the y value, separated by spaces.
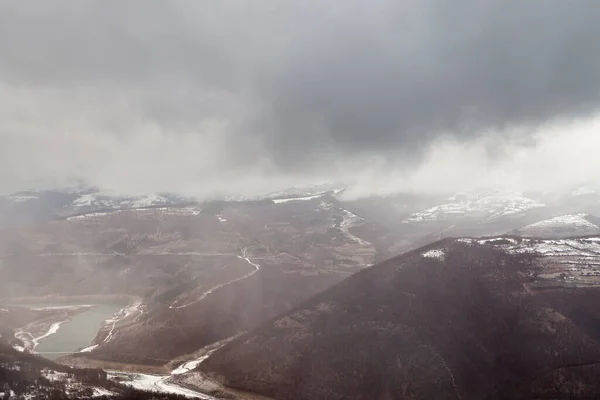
pixel 467 326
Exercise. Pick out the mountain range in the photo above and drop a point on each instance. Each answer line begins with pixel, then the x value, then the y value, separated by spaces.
pixel 284 282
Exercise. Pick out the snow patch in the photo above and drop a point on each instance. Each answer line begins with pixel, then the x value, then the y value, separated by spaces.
pixel 496 240
pixel 434 253
pixel 54 376
pixel 287 200
pixel 99 392
pixel 88 349
pixel 584 249
pixel 189 366
pixel 121 315
pixel 154 383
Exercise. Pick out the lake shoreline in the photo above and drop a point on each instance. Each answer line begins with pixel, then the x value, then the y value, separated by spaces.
pixel 37 330
pixel 81 321
pixel 76 298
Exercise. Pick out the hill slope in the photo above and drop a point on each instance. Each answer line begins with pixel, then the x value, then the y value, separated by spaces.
pixel 460 319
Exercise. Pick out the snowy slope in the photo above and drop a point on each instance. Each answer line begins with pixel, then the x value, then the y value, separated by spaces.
pixel 488 206
pixel 99 201
pixel 572 260
pixel 564 225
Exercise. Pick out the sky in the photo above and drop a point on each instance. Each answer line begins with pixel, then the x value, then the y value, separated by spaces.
pixel 210 98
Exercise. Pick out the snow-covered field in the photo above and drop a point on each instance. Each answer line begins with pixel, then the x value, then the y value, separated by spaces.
pixel 165 383
pixel 154 383
pixel 576 261
pixel 589 248
pixel 581 247
pixel 578 258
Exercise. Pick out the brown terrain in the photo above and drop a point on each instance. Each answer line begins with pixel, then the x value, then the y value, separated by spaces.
pixel 459 319
pixel 201 274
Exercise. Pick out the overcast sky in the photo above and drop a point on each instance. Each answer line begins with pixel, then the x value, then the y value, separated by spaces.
pixel 226 97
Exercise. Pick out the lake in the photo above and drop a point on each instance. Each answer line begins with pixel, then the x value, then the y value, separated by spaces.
pixel 78 332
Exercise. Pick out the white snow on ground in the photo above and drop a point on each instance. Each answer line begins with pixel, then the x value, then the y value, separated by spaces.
pixel 53 329
pixel 162 383
pixel 54 376
pixel 494 240
pixel 3 310
pixel 287 200
pixel 435 253
pixel 92 215
pixel 221 219
pixel 188 366
pixel 145 201
pixel 584 250
pixel 154 383
pixel 295 192
pixel 220 285
pixel 107 201
pixel 140 211
pixel 121 315
pixel 88 349
pixel 99 392
pixel 575 221
pixel 32 342
pixel 88 200
pixel 489 206
pixel 351 220
pixel 191 365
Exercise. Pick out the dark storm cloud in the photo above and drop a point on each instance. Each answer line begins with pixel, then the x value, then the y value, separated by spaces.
pixel 401 77
pixel 297 84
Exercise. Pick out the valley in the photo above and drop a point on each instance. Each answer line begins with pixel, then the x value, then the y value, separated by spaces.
pixel 170 286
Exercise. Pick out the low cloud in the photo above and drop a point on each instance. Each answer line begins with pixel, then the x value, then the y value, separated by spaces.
pixel 247 97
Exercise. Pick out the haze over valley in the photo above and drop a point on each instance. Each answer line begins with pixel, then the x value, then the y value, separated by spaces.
pixel 299 200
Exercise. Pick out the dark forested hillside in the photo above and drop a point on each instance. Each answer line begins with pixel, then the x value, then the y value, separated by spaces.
pixel 455 320
pixel 24 375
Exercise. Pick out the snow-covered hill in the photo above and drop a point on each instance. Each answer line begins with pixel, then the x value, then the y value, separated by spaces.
pixel 564 225
pixel 487 207
pixel 64 203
